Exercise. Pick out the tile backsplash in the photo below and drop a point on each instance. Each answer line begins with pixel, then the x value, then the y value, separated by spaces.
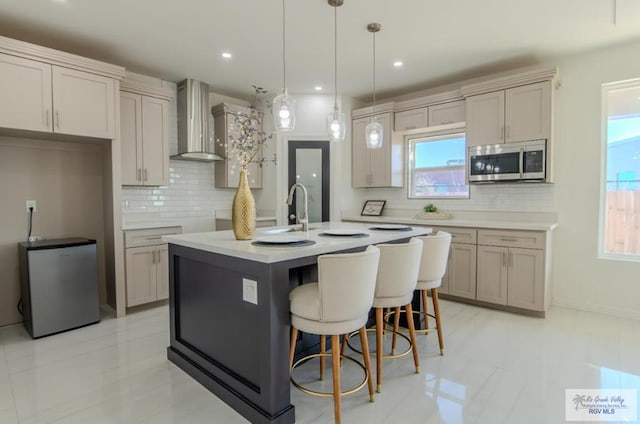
pixel 190 193
pixel 508 198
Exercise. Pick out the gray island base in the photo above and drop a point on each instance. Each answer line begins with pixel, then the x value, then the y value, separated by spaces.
pixel 238 349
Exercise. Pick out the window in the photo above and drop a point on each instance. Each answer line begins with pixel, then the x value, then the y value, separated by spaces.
pixel 437 166
pixel 620 200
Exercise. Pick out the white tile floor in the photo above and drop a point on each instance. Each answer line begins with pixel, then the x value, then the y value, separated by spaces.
pixel 498 368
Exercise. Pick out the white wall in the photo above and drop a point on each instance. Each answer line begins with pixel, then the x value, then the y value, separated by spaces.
pixel 581 280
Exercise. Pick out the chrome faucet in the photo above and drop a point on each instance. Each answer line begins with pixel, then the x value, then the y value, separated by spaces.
pixel 304 219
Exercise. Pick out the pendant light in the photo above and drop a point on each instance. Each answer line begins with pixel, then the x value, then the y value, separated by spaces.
pixel 284 106
pixel 336 122
pixel 373 131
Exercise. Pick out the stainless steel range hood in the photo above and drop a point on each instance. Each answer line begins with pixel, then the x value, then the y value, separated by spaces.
pixel 194 140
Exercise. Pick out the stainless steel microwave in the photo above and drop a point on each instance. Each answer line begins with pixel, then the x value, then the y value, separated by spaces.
pixel 523 161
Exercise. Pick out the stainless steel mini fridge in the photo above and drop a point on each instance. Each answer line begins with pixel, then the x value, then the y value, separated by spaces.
pixel 59 283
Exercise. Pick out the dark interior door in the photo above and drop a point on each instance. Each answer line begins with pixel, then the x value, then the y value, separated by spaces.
pixel 309 166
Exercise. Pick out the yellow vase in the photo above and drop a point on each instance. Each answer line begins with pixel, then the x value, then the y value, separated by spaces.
pixel 243 215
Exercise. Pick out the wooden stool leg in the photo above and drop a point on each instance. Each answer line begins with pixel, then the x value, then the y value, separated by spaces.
pixel 292 345
pixel 412 334
pixel 396 327
pixel 367 360
pixel 379 348
pixel 436 310
pixel 335 357
pixel 425 310
pixel 323 349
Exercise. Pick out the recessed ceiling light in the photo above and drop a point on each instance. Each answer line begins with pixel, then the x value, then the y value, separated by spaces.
pixel 318 88
pixel 59 1
pixel 398 63
pixel 226 55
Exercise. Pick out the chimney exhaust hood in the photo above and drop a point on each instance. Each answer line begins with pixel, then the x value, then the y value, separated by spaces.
pixel 194 142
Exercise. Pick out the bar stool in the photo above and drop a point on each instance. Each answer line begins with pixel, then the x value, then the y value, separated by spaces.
pixel 337 304
pixel 435 254
pixel 396 282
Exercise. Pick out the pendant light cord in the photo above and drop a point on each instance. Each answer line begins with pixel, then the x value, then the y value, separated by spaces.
pixel 284 64
pixel 374 72
pixel 335 56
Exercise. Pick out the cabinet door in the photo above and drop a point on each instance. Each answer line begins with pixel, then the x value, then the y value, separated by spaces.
pixel 444 287
pixel 83 103
pixel 526 279
pixel 155 146
pixel 131 138
pixel 380 159
pixel 485 119
pixel 162 271
pixel 411 119
pixel 492 274
pixel 25 102
pixel 141 275
pixel 528 112
pixel 446 113
pixel 462 275
pixel 360 175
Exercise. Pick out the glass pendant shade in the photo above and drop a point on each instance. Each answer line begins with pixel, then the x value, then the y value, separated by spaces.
pixel 284 112
pixel 374 133
pixel 336 125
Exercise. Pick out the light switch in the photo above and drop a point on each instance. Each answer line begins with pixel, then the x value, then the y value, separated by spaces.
pixel 250 291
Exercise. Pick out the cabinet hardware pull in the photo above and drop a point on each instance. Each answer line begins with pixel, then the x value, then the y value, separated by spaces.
pixel 145 174
pixel 153 256
pixel 509 239
pixel 139 175
pixel 153 238
pixel 46 116
pixel 504 258
pixel 58 119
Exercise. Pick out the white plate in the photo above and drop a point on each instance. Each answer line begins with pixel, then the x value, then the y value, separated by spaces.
pixel 281 239
pixel 342 232
pixel 390 227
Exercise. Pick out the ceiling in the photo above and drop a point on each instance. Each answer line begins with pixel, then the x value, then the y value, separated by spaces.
pixel 439 41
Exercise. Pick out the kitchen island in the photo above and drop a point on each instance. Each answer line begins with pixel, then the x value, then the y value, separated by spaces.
pixel 229 309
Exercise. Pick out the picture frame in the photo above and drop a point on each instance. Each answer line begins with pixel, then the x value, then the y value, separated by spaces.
pixel 373 208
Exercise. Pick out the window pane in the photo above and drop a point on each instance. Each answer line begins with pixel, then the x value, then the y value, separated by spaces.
pixel 622 194
pixel 438 167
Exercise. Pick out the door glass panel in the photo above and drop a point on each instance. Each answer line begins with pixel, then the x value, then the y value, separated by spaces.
pixel 309 173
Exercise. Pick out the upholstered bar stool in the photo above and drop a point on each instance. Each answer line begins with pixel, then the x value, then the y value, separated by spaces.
pixel 337 304
pixel 435 254
pixel 396 282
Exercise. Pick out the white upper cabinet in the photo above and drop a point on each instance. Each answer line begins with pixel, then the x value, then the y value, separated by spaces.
pixel 25 102
pixel 83 103
pixel 227 173
pixel 485 119
pixel 50 91
pixel 528 112
pixel 411 119
pixel 376 167
pixel 144 129
pixel 446 113
pixel 506 116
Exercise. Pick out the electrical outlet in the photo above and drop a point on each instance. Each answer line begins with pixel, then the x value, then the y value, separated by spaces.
pixel 31 204
pixel 250 291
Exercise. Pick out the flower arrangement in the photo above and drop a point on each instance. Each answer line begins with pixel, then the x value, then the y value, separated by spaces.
pixel 246 142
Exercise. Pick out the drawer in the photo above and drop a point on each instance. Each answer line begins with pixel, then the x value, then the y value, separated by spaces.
pixel 148 236
pixel 509 238
pixel 460 234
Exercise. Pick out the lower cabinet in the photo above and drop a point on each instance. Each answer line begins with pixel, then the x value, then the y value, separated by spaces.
pixel 460 278
pixel 501 267
pixel 147 265
pixel 511 275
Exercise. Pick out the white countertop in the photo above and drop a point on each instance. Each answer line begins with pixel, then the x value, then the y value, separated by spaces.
pixel 480 222
pixel 223 242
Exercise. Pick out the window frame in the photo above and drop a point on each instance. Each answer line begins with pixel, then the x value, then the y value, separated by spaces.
pixel 410 143
pixel 604 123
